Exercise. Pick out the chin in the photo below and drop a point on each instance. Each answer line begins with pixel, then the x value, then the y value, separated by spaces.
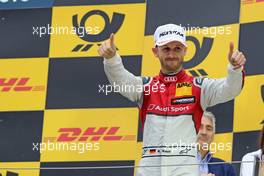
pixel 173 69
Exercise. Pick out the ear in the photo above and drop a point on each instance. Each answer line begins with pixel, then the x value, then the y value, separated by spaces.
pixel 155 51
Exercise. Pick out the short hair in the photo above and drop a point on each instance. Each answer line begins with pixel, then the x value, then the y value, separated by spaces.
pixel 210 116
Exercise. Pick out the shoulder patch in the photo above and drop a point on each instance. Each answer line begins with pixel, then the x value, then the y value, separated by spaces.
pixel 198 81
pixel 145 80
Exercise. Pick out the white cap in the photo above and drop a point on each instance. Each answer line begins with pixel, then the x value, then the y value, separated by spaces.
pixel 168 33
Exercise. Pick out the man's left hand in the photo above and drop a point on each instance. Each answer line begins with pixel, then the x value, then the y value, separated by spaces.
pixel 237 58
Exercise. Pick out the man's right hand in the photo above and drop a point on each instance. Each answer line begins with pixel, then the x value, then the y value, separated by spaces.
pixel 108 49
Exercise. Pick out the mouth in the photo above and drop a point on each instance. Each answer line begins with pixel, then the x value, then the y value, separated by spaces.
pixel 171 59
pixel 202 138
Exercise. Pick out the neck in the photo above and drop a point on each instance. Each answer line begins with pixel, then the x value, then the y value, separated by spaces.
pixel 203 153
pixel 167 72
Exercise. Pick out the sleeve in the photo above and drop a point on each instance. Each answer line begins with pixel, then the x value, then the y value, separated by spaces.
pixel 215 91
pixel 247 165
pixel 129 85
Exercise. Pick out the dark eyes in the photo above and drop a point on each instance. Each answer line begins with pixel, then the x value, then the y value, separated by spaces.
pixel 209 129
pixel 166 49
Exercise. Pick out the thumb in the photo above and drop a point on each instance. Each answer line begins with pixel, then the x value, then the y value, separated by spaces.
pixel 112 40
pixel 231 50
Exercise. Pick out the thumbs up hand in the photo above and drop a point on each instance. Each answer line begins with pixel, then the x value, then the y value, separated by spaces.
pixel 237 58
pixel 108 49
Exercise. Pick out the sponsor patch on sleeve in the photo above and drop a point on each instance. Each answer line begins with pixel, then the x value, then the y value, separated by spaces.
pixel 198 81
pixel 146 80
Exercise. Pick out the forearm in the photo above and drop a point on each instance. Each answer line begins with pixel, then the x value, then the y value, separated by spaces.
pixel 129 84
pixel 215 91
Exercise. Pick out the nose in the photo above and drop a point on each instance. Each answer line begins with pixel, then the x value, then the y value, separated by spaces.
pixel 203 131
pixel 171 54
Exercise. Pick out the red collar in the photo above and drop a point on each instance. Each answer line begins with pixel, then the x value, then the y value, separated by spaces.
pixel 172 78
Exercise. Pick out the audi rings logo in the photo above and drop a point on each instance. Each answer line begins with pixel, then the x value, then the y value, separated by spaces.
pixel 170 79
pixel 110 27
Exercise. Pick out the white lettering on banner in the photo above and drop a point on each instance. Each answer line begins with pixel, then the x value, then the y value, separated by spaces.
pixel 5 1
pixel 168 108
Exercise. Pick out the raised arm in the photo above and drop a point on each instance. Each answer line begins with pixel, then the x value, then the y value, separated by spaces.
pixel 129 85
pixel 214 91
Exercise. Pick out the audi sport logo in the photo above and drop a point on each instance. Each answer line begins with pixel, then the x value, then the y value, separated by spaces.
pixel 154 107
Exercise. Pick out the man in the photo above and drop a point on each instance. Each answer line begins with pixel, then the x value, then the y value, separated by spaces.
pixel 205 138
pixel 171 103
pixel 248 165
